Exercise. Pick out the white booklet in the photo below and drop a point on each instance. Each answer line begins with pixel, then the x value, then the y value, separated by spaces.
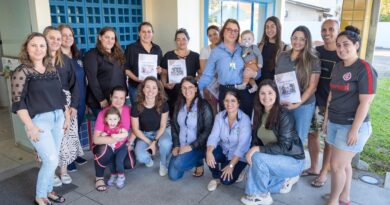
pixel 288 87
pixel 177 70
pixel 147 66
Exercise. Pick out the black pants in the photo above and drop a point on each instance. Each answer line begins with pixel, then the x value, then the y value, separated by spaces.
pixel 246 98
pixel 105 156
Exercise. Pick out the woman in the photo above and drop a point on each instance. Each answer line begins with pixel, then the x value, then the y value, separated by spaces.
pixel 143 45
pixel 149 120
pixel 38 100
pixel 104 154
pixel 213 36
pixel 228 142
pixel 225 60
pixel 271 45
pixel 349 126
pixel 191 125
pixel 180 53
pixel 303 60
pixel 104 69
pixel 277 156
pixel 70 146
pixel 69 48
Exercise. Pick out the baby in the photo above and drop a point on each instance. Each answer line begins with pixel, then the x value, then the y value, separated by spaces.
pixel 252 58
pixel 113 128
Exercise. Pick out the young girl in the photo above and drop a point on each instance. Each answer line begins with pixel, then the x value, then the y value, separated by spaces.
pixel 114 129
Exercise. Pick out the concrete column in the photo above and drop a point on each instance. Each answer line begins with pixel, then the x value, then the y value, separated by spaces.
pixel 40 14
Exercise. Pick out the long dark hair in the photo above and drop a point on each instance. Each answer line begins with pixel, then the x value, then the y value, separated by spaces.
pixel 259 110
pixel 73 48
pixel 278 37
pixel 116 50
pixel 181 99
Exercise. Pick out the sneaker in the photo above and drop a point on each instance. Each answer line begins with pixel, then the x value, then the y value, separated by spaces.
pixel 163 170
pixel 257 199
pixel 149 164
pixel 66 179
pixel 213 184
pixel 57 181
pixel 112 180
pixel 120 182
pixel 72 167
pixel 81 161
pixel 288 184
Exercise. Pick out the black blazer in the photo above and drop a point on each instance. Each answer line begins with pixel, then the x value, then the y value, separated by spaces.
pixel 205 120
pixel 102 74
pixel 288 143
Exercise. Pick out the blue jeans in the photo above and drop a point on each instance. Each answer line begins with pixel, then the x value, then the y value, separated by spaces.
pixel 222 162
pixel 184 162
pixel 48 148
pixel 133 95
pixel 269 172
pixel 302 116
pixel 164 144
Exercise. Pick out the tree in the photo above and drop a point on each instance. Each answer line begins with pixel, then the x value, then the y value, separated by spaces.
pixel 385 11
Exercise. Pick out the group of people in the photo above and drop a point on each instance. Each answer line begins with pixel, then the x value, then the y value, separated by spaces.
pixel 244 125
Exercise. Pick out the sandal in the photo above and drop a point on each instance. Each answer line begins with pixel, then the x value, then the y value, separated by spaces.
pixel 317 183
pixel 102 187
pixel 198 174
pixel 308 173
pixel 45 201
pixel 56 198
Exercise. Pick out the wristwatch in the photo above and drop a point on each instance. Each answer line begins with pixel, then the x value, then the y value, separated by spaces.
pixel 231 166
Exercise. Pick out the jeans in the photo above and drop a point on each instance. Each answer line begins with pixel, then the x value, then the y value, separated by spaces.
pixel 269 172
pixel 184 162
pixel 48 148
pixel 133 94
pixel 222 162
pixel 104 156
pixel 246 99
pixel 302 116
pixel 164 144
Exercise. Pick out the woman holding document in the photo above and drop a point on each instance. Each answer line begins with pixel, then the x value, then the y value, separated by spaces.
pixel 104 69
pixel 303 60
pixel 177 64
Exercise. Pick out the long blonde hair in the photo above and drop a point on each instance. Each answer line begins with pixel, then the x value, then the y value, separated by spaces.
pixel 58 60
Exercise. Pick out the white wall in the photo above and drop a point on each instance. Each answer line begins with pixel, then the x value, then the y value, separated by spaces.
pixel 382 35
pixel 299 13
pixel 189 18
pixel 289 26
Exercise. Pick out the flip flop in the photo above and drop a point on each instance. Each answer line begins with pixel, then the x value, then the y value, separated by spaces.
pixel 344 203
pixel 56 198
pixel 317 183
pixel 308 173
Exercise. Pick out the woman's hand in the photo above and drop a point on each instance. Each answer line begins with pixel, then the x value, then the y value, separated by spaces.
pixel 325 127
pixel 210 159
pixel 352 137
pixel 185 149
pixel 33 133
pixel 159 70
pixel 152 147
pixel 250 153
pixel 169 85
pixel 227 172
pixel 175 151
pixel 103 103
pixel 67 121
pixel 291 106
pixel 249 73
pixel 73 112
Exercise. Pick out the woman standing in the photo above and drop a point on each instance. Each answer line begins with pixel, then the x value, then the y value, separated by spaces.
pixel 271 45
pixel 192 65
pixel 104 69
pixel 70 146
pixel 143 45
pixel 303 60
pixel 149 121
pixel 225 60
pixel 213 35
pixel 69 48
pixel 228 142
pixel 349 125
pixel 38 100
pixel 277 156
pixel 104 153
pixel 191 125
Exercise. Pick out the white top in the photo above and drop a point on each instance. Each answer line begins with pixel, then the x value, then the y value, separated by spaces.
pixel 205 53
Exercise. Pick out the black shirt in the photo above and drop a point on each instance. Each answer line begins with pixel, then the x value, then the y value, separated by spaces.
pixel 149 119
pixel 347 83
pixel 37 93
pixel 192 62
pixel 131 55
pixel 103 74
pixel 269 55
pixel 328 59
pixel 68 80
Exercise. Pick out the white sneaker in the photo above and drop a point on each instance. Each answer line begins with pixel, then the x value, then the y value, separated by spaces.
pixel 163 170
pixel 57 181
pixel 257 199
pixel 288 184
pixel 150 164
pixel 66 179
pixel 213 184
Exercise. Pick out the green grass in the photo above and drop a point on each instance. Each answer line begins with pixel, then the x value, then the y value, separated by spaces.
pixel 377 150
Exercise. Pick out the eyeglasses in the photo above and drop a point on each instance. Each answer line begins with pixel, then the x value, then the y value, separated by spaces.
pixel 232 31
pixel 294 38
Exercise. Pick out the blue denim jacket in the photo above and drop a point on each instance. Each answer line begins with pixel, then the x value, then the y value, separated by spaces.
pixel 235 141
